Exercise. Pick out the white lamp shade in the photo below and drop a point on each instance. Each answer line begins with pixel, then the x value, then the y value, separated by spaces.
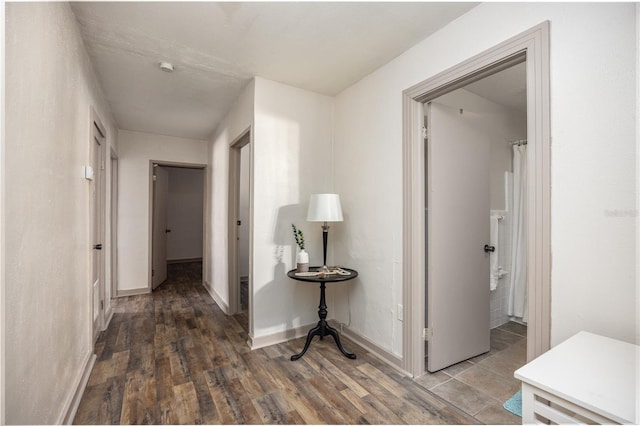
pixel 324 208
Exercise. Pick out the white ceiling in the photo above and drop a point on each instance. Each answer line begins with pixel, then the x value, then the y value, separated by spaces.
pixel 217 47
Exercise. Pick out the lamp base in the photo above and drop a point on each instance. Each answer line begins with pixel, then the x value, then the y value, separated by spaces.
pixel 325 237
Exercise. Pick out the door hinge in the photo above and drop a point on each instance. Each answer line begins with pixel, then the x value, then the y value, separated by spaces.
pixel 427 334
pixel 424 132
pixel 101 305
pixel 153 272
pixel 102 166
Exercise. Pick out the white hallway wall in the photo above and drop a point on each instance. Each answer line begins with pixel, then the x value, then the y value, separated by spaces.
pixel 637 211
pixel 593 64
pixel 292 160
pixel 238 119
pixel 137 149
pixel 47 210
pixel 291 155
pixel 184 213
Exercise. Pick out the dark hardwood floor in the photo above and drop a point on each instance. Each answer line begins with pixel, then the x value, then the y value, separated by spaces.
pixel 173 357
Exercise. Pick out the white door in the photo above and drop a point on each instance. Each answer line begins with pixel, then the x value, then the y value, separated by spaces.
pixel 159 242
pixel 97 255
pixel 458 229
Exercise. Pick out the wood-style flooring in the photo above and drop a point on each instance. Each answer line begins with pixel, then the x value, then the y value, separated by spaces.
pixel 173 357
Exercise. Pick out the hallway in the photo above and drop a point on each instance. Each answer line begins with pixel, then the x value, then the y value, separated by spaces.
pixel 173 357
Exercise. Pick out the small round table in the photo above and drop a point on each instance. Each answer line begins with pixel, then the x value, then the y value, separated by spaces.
pixel 323 328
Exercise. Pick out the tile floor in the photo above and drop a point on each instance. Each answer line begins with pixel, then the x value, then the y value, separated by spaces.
pixel 480 385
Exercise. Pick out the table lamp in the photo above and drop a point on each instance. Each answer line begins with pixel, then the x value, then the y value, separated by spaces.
pixel 324 208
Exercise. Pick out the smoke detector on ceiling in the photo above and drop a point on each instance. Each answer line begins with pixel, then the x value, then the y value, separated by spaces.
pixel 166 66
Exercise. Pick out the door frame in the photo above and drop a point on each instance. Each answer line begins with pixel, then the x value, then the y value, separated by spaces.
pixel 534 45
pixel 205 220
pixel 98 131
pixel 113 238
pixel 155 282
pixel 245 138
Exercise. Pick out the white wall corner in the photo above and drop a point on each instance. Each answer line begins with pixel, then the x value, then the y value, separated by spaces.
pixel 290 157
pixel 637 212
pixel 216 297
pixel 73 399
pixel 279 337
pixel 373 348
pixel 239 118
pixel 2 207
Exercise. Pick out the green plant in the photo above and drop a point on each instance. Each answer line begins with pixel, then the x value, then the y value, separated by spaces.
pixel 299 236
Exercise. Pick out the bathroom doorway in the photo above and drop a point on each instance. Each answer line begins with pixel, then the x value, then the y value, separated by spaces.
pixel 531 46
pixel 474 216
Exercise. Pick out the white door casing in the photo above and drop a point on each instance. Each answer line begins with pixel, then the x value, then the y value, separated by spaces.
pixel 113 253
pixel 534 45
pixel 159 244
pixel 97 152
pixel 458 228
pixel 243 139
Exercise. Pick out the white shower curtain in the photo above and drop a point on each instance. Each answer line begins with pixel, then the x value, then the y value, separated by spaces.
pixel 518 279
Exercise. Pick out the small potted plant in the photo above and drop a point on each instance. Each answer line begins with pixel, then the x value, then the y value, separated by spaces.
pixel 302 258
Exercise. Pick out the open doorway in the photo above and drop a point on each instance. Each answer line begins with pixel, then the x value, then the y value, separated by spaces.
pixel 476 240
pixel 240 287
pixel 96 175
pixel 476 248
pixel 177 243
pixel 532 46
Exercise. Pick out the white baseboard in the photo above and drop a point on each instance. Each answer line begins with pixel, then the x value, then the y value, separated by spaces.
pixel 375 350
pixel 301 331
pixel 186 260
pixel 279 337
pixel 216 297
pixel 109 316
pixel 73 400
pixel 132 292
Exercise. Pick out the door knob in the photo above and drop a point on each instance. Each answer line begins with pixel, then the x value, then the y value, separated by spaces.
pixel 488 248
pixel 167 230
pixel 98 247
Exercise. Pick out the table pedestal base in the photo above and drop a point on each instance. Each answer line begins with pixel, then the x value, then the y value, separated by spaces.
pixel 322 329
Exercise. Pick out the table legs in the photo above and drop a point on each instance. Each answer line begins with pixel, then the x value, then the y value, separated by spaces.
pixel 323 329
